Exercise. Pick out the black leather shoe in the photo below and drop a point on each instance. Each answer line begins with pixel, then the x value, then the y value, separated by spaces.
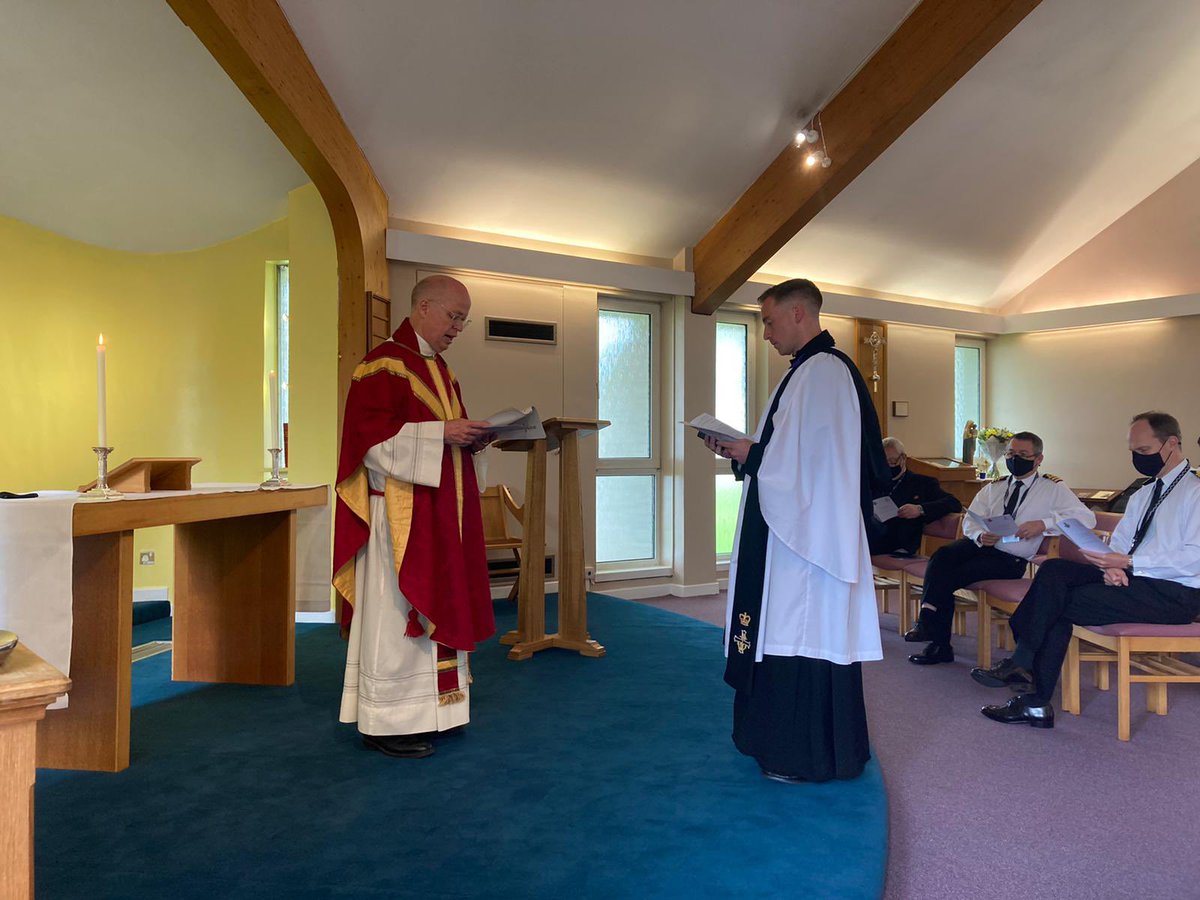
pixel 932 655
pixel 401 746
pixel 917 634
pixel 1018 712
pixel 1005 673
pixel 786 779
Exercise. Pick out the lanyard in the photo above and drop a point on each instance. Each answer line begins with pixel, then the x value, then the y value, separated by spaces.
pixel 1148 516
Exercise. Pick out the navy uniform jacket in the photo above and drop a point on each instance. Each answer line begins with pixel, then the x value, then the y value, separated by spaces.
pixel 905 534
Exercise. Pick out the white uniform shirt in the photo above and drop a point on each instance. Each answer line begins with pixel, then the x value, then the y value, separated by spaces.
pixel 1171 548
pixel 1041 498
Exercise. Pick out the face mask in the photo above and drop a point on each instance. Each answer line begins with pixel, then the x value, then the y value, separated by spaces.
pixel 895 471
pixel 1148 464
pixel 1019 466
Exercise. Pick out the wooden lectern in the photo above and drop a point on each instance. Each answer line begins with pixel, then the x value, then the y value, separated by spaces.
pixel 530 637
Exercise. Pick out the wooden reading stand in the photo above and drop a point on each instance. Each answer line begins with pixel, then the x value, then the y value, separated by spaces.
pixel 530 635
pixel 143 475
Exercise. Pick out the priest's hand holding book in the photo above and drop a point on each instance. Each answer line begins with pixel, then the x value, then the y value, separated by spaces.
pixel 467 433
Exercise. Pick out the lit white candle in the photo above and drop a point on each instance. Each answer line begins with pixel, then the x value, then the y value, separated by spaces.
pixel 273 390
pixel 101 395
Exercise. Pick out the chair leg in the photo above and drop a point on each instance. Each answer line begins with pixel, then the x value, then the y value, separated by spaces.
pixel 1101 676
pixel 983 620
pixel 905 605
pixel 1156 698
pixel 960 622
pixel 1006 636
pixel 1070 679
pixel 1123 687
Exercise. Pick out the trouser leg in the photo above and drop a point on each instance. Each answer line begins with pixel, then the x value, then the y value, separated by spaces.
pixel 1095 603
pixel 955 566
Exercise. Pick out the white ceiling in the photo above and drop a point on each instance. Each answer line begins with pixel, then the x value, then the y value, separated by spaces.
pixel 622 125
pixel 121 130
pixel 1080 113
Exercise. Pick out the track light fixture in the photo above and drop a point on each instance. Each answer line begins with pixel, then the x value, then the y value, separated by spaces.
pixel 807 138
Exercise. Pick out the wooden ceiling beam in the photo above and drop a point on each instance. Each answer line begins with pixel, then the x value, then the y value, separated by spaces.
pixel 932 49
pixel 255 45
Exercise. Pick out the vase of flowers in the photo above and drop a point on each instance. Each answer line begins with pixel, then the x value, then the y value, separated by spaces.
pixel 994 443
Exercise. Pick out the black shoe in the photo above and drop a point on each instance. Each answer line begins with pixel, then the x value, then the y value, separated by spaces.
pixel 786 779
pixel 917 634
pixel 1017 712
pixel 1005 673
pixel 933 654
pixel 401 746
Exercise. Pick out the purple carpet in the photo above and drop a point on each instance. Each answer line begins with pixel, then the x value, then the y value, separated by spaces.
pixel 982 810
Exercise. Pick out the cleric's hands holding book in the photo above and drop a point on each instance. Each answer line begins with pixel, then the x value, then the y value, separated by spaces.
pixel 735 450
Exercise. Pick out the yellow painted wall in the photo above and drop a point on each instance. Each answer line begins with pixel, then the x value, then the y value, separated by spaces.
pixel 185 358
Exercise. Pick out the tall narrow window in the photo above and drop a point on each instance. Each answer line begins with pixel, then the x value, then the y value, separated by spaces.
pixel 628 471
pixel 732 405
pixel 968 388
pixel 283 334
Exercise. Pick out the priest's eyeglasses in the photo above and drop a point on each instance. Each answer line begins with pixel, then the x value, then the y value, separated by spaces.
pixel 455 318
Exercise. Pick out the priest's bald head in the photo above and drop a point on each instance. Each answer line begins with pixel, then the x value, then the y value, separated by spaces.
pixel 791 314
pixel 440 309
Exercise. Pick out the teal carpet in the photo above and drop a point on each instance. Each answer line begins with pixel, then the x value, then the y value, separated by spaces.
pixel 577 778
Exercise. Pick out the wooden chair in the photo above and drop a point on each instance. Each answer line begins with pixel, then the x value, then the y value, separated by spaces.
pixel 937 534
pixel 888 572
pixel 1141 648
pixel 492 503
pixel 1135 647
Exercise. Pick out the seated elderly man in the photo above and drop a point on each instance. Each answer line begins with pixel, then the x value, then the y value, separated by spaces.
pixel 919 500
pixel 1037 503
pixel 1151 574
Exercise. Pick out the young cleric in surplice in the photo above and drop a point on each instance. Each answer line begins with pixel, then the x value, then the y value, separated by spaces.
pixel 801 616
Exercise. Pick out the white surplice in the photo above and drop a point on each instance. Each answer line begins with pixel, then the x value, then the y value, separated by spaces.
pixel 390 685
pixel 818 595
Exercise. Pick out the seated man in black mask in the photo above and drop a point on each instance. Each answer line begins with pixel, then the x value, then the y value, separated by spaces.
pixel 1037 503
pixel 920 500
pixel 1151 575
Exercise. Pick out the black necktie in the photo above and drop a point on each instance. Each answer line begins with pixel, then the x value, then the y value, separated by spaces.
pixel 1147 517
pixel 1010 508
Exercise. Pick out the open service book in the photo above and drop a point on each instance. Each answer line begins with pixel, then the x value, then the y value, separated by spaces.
pixel 708 426
pixel 1083 537
pixel 517 424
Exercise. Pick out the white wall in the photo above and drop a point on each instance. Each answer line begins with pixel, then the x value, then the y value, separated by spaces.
pixel 921 373
pixel 1078 388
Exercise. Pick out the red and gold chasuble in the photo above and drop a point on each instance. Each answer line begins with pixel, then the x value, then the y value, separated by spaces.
pixel 437 533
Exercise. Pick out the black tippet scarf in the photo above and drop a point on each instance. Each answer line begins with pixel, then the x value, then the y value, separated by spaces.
pixel 874 481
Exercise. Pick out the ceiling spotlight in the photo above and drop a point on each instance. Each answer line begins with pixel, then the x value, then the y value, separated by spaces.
pixel 806 136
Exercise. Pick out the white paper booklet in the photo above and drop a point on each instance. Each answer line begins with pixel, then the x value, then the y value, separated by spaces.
pixel 517 424
pixel 885 509
pixel 708 426
pixel 1005 526
pixel 1083 537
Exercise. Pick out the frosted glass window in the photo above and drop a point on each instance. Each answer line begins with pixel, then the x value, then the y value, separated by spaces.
pixel 626 507
pixel 625 384
pixel 729 497
pixel 968 391
pixel 731 374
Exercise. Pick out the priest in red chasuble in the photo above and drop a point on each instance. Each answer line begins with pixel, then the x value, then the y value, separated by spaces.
pixel 409 561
